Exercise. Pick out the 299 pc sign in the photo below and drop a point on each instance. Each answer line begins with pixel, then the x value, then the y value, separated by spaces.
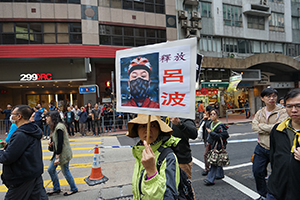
pixel 35 77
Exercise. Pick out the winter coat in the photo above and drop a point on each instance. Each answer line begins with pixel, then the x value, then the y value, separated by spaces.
pixel 185 131
pixel 284 180
pixel 263 126
pixel 220 131
pixel 165 184
pixel 82 116
pixel 66 154
pixel 22 158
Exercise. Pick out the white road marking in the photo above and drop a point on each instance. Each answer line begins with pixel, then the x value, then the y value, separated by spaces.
pixel 232 182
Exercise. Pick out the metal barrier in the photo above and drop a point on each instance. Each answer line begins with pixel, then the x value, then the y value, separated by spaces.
pixel 2 126
pixel 236 109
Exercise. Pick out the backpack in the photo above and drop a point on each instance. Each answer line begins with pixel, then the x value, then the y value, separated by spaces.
pixel 185 185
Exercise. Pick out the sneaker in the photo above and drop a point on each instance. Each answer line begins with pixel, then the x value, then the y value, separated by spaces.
pixel 110 131
pixel 261 198
pixel 44 138
pixel 207 183
pixel 48 137
pixel 6 133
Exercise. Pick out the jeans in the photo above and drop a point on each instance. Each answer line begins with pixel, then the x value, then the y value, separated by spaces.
pixel 259 168
pixel 66 172
pixel 96 124
pixel 247 112
pixel 82 128
pixel 89 124
pixel 215 171
pixel 7 125
pixel 46 130
pixel 76 126
pixel 70 126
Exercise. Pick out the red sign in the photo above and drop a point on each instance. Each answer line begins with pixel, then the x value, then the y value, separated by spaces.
pixel 205 91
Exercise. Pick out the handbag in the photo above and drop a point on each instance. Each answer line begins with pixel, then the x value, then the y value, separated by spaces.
pixel 218 157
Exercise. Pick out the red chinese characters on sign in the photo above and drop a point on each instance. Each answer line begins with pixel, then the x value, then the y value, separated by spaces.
pixel 173 75
pixel 176 98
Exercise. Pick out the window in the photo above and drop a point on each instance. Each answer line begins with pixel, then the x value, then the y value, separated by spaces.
pixel 256 22
pixel 205 9
pixel 154 6
pixel 276 22
pixel 130 36
pixel 40 33
pixel 278 1
pixel 295 23
pixel 232 15
pixel 45 1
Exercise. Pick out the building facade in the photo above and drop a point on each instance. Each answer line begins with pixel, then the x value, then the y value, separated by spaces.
pixel 259 38
pixel 49 48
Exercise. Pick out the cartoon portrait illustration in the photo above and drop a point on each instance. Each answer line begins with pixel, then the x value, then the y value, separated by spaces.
pixel 139 81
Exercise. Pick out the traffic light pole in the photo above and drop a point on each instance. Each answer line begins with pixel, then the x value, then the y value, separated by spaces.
pixel 113 98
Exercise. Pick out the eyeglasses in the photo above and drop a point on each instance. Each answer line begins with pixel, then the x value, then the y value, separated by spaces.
pixel 290 106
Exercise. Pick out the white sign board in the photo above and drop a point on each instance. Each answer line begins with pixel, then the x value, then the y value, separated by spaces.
pixel 157 79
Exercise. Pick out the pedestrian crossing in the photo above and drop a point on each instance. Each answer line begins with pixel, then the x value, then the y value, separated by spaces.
pixel 80 165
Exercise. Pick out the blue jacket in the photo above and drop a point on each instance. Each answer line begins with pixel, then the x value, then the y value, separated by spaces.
pixel 38 115
pixel 12 129
pixel 82 116
pixel 22 158
pixel 7 113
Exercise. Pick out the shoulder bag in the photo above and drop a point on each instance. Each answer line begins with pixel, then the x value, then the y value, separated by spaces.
pixel 218 157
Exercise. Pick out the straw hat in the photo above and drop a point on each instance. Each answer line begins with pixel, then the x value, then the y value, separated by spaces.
pixel 143 119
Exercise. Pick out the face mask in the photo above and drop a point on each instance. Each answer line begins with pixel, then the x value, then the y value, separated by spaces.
pixel 139 89
pixel 11 120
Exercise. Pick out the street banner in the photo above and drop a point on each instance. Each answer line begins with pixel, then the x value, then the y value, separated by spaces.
pixel 157 79
pixel 233 83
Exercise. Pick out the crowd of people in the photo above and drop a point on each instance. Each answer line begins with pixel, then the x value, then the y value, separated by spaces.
pixel 85 120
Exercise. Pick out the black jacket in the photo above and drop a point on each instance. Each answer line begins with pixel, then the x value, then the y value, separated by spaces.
pixel 22 159
pixel 185 131
pixel 72 117
pixel 284 180
pixel 219 132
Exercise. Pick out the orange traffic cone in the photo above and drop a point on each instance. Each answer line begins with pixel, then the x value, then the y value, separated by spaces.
pixel 96 176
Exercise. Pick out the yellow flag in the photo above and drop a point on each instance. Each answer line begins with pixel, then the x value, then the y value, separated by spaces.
pixel 233 83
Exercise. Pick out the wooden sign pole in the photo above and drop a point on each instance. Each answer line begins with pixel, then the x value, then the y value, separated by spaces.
pixel 148 128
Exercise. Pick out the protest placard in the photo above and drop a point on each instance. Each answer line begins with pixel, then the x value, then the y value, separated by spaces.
pixel 157 79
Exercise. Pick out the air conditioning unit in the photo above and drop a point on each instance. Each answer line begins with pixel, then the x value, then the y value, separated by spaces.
pixel 264 2
pixel 196 24
pixel 192 32
pixel 185 23
pixel 191 2
pixel 182 14
pixel 196 15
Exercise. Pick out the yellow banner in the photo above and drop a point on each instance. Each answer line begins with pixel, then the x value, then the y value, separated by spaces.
pixel 234 81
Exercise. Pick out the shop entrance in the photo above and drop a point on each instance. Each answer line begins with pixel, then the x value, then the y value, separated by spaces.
pixel 60 100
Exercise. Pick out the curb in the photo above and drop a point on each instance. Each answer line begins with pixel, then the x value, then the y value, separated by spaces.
pixel 241 122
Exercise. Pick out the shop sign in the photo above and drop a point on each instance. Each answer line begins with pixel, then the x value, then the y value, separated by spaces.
pixel 265 79
pixel 205 91
pixel 35 77
pixel 283 85
pixel 106 100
